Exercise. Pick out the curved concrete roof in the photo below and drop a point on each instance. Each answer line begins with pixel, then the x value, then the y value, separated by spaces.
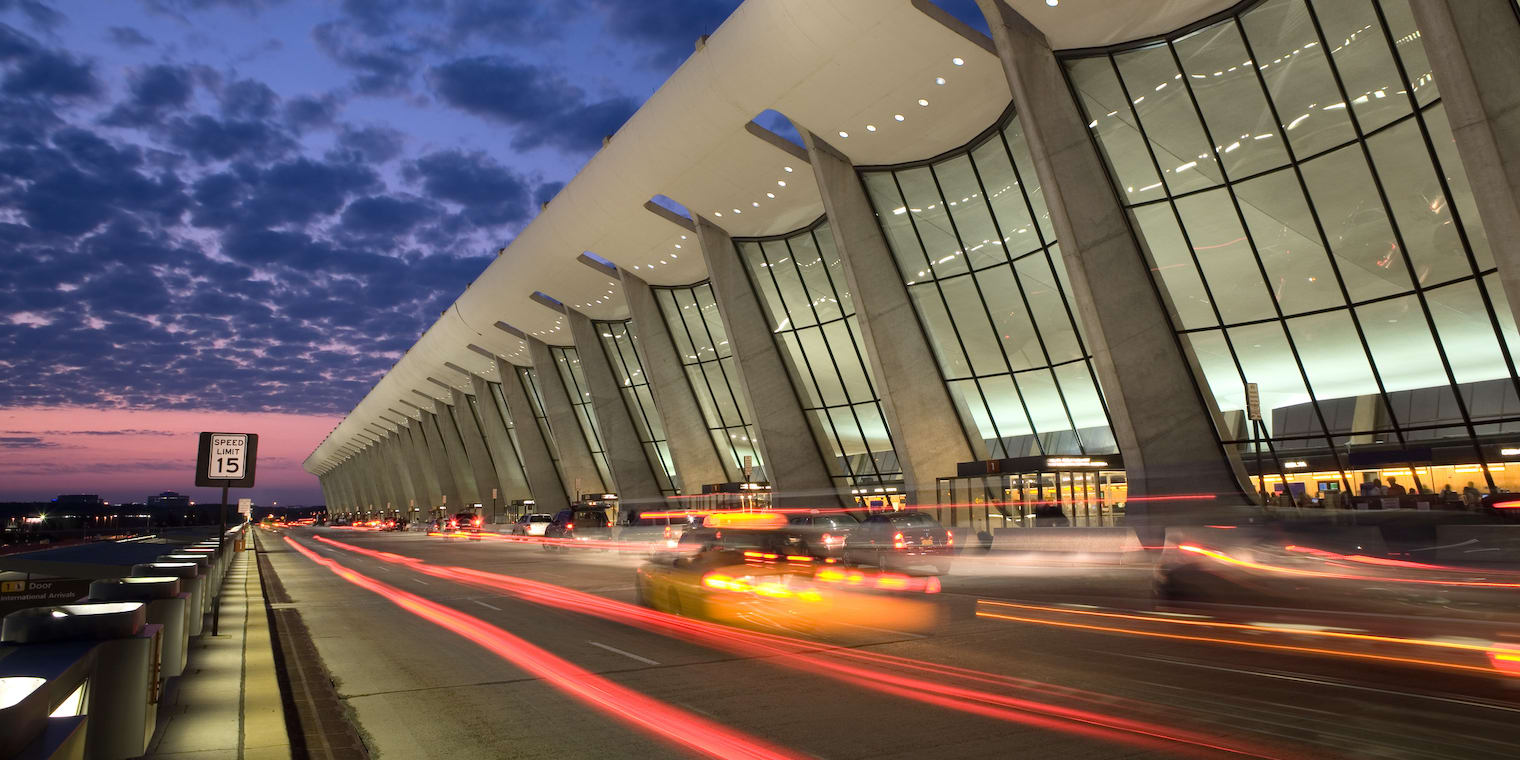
pixel 831 66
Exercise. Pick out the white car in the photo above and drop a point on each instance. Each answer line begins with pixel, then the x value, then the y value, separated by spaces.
pixel 531 525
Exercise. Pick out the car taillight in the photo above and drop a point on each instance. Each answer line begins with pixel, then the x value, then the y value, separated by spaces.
pixel 949 538
pixel 479 521
pixel 898 542
pixel 568 526
pixel 829 539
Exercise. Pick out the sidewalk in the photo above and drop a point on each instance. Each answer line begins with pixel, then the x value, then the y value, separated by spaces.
pixel 227 704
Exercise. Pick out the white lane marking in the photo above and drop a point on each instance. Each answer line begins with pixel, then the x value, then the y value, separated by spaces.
pixel 487 606
pixel 1320 682
pixel 629 655
pixel 419 580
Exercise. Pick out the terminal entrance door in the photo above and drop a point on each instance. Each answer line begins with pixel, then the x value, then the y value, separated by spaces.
pixel 1053 493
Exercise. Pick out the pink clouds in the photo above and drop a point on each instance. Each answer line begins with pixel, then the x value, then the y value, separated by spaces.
pixel 127 455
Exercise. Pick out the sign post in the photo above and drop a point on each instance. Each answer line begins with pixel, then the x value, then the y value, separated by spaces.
pixel 226 460
pixel 1253 413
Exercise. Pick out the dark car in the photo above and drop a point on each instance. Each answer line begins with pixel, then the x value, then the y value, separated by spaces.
pixel 827 532
pixel 466 522
pixel 581 524
pixel 901 541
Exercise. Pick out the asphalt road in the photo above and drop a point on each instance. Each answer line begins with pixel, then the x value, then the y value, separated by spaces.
pixel 419 690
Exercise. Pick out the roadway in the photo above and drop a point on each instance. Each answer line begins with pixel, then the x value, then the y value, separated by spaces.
pixel 971 687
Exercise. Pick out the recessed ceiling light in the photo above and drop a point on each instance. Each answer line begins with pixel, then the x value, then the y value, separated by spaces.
pixel 1052 3
pixel 870 127
pixel 781 182
pixel 770 195
pixel 939 80
pixel 898 116
pixel 923 102
pixel 844 134
pixel 756 204
pixel 788 169
pixel 717 213
pixel 958 61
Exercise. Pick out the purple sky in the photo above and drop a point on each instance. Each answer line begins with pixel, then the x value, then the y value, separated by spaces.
pixel 254 206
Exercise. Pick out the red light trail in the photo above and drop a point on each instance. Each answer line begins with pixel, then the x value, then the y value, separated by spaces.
pixel 824 659
pixel 651 715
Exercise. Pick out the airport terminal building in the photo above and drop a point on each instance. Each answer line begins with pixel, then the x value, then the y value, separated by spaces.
pixel 858 252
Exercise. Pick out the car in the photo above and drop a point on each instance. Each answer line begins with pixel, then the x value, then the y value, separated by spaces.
pixel 466 522
pixel 531 524
pixel 578 524
pixel 757 570
pixel 827 530
pixel 659 531
pixel 903 541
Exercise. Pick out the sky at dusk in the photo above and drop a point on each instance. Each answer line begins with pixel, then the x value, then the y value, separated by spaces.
pixel 235 215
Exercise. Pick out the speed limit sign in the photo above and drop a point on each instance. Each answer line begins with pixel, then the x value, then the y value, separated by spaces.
pixel 226 459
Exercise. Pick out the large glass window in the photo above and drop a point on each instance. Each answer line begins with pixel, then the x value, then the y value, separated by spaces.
pixel 506 418
pixel 972 240
pixel 1292 174
pixel 801 283
pixel 691 314
pixel 529 379
pixel 569 363
pixel 628 368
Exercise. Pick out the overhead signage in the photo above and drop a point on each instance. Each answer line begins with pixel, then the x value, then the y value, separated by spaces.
pixel 1253 402
pixel 226 460
pixel 1059 462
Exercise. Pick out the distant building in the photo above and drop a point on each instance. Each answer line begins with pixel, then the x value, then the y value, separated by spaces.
pixel 78 500
pixel 169 500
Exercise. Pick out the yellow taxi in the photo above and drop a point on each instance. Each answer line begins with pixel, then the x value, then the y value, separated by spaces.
pixel 755 569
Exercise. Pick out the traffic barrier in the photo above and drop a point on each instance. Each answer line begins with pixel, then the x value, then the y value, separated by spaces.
pixel 1105 545
pixel 167 606
pixel 108 646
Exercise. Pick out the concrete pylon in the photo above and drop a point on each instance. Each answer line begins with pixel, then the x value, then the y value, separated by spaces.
pixel 1163 422
pixel 697 460
pixel 453 450
pixel 482 466
pixel 1474 51
pixel 397 464
pixel 799 477
pixel 574 453
pixel 636 486
pixel 422 492
pixel 926 429
pixel 509 468
pixel 449 496
pixel 432 477
pixel 549 494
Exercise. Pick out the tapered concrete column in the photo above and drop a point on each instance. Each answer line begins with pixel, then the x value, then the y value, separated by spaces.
pixel 352 472
pixel 631 468
pixel 328 501
pixel 449 495
pixel 395 484
pixel 926 430
pixel 481 464
pixel 397 462
pixel 1162 421
pixel 697 460
pixel 799 477
pixel 453 450
pixel 509 472
pixel 423 462
pixel 384 479
pixel 344 473
pixel 1474 51
pixel 369 480
pixel 574 453
pixel 409 462
pixel 549 494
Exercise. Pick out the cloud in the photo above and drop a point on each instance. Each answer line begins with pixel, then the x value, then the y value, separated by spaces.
pixel 42 15
pixel 127 37
pixel 307 112
pixel 667 29
pixel 375 145
pixel 39 72
pixel 489 193
pixel 129 431
pixel 381 68
pixel 25 442
pixel 545 109
pixel 153 91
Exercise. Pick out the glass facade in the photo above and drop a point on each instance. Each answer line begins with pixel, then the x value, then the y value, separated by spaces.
pixel 569 363
pixel 691 314
pixel 628 369
pixel 973 242
pixel 529 380
pixel 801 282
pixel 1291 173
pixel 506 418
